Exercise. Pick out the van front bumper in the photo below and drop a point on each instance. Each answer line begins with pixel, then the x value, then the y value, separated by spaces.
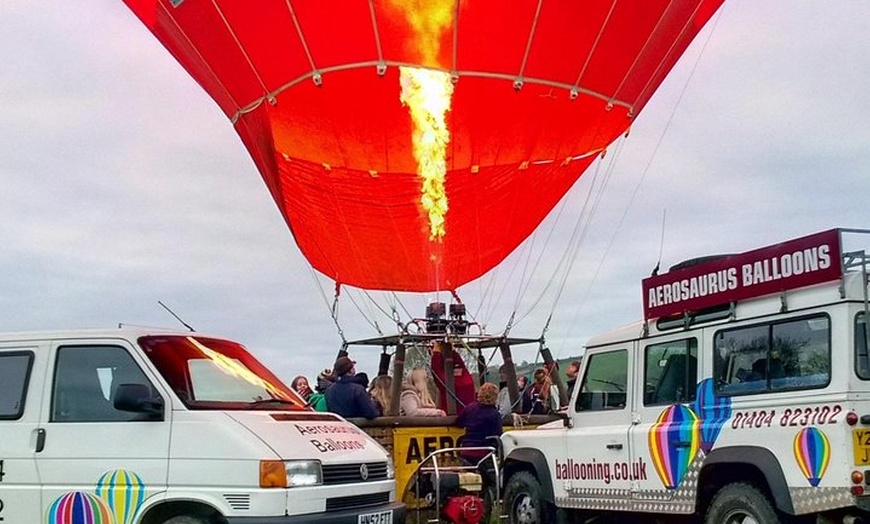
pixel 351 516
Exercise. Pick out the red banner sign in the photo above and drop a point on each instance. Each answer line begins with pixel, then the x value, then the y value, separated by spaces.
pixel 796 263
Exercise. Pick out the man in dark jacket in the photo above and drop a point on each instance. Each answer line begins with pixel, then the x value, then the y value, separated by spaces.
pixel 346 397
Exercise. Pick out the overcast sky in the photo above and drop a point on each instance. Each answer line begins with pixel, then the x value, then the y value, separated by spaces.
pixel 121 184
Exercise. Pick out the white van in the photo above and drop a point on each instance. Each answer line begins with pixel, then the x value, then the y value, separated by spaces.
pixel 153 427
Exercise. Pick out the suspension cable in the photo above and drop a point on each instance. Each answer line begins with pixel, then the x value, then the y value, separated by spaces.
pixel 643 176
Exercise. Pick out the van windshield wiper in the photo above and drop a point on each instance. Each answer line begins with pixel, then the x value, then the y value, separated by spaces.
pixel 620 387
pixel 267 401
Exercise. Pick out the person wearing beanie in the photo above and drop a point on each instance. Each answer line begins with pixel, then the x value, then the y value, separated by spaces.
pixel 317 400
pixel 346 397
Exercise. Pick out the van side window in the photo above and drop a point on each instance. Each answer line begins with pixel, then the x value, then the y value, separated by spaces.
pixel 671 372
pixel 789 355
pixel 86 379
pixel 14 375
pixel 862 360
pixel 604 384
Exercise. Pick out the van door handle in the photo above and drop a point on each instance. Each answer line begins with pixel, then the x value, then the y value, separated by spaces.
pixel 40 440
pixel 614 446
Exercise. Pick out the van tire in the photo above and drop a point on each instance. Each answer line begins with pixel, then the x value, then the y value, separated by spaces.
pixel 185 519
pixel 524 502
pixel 739 502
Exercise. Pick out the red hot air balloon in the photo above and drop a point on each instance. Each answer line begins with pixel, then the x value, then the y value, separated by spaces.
pixel 315 91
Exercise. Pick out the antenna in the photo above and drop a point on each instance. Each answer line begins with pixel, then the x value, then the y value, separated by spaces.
pixel 655 270
pixel 185 324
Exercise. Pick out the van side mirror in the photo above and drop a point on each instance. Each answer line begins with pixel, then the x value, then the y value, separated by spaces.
pixel 137 398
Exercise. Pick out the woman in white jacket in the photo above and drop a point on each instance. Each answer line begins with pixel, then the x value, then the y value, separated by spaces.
pixel 416 401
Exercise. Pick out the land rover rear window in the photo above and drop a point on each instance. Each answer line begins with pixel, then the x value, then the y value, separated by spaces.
pixel 776 356
pixel 862 360
pixel 14 374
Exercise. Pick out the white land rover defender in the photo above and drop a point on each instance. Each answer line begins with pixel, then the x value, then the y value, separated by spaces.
pixel 130 426
pixel 743 397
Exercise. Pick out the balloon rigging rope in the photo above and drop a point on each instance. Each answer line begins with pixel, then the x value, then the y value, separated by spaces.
pixel 594 45
pixel 369 317
pixel 640 180
pixel 241 47
pixel 375 30
pixel 530 40
pixel 646 44
pixel 333 309
pixel 569 254
pixel 202 59
pixel 571 248
pixel 302 39
pixel 689 24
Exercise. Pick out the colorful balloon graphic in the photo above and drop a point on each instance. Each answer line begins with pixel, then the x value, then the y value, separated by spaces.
pixel 713 411
pixel 124 491
pixel 674 441
pixel 812 450
pixel 78 507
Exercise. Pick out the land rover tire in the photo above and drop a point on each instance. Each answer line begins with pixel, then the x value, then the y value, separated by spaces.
pixel 186 519
pixel 740 503
pixel 524 501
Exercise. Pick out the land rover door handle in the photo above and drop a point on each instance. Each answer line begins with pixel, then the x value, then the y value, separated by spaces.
pixel 614 446
pixel 40 439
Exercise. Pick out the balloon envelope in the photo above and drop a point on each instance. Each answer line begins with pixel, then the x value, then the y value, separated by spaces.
pixel 79 507
pixel 673 441
pixel 124 492
pixel 312 87
pixel 812 451
pixel 713 411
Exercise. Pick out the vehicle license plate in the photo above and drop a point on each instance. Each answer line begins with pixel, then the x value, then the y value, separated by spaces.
pixel 381 517
pixel 861 446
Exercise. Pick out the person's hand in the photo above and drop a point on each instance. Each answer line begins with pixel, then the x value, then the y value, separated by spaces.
pixel 441 413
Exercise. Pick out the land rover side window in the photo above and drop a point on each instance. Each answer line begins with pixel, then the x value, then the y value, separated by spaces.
pixel 14 375
pixel 862 360
pixel 86 380
pixel 604 384
pixel 787 355
pixel 671 372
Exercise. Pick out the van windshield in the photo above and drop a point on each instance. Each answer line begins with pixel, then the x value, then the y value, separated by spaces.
pixel 210 373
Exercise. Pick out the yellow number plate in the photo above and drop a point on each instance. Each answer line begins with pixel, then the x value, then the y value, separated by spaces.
pixel 861 446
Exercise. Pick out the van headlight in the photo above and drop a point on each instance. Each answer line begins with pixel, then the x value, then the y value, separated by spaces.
pixel 303 473
pixel 290 474
pixel 391 468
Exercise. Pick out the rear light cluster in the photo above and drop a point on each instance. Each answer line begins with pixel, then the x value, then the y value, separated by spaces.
pixel 858 477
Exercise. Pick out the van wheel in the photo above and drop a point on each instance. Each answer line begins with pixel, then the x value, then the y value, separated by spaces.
pixel 740 503
pixel 185 519
pixel 524 501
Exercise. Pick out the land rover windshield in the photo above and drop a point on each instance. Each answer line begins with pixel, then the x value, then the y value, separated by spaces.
pixel 210 373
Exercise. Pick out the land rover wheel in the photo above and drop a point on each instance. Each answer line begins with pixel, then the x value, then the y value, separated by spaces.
pixel 740 503
pixel 524 501
pixel 185 519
